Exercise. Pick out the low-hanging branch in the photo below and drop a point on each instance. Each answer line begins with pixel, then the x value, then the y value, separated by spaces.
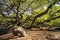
pixel 51 19
pixel 41 14
pixel 48 20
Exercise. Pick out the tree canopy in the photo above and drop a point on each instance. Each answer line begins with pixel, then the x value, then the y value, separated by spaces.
pixel 30 13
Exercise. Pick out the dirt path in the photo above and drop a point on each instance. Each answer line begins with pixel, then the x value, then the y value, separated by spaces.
pixel 35 35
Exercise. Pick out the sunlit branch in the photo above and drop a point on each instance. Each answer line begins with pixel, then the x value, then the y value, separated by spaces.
pixel 41 14
pixel 48 20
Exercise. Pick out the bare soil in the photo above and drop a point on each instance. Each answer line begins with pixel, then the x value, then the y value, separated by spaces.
pixel 36 35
